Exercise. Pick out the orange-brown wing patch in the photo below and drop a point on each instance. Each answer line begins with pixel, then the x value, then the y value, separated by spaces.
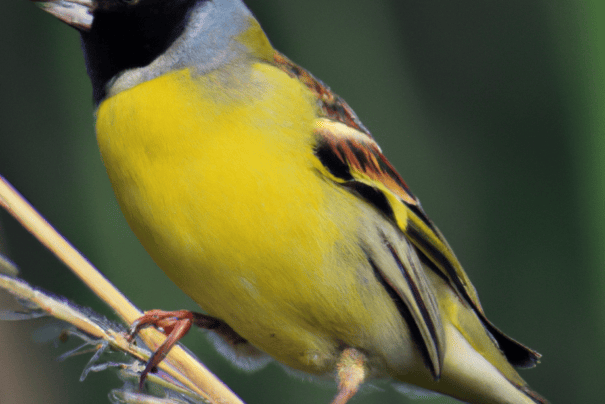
pixel 354 155
pixel 331 105
pixel 352 145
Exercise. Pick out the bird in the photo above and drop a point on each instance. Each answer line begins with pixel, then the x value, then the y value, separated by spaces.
pixel 261 195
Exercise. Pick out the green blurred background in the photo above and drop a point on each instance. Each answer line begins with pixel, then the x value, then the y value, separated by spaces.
pixel 493 112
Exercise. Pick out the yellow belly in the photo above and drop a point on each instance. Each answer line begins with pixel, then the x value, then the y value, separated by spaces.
pixel 218 181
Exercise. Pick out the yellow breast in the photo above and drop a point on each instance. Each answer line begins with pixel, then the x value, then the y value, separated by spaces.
pixel 216 176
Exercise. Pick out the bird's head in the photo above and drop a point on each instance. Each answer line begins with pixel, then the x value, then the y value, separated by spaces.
pixel 121 36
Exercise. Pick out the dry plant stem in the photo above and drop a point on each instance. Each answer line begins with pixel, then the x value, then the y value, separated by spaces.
pixel 95 330
pixel 64 312
pixel 178 363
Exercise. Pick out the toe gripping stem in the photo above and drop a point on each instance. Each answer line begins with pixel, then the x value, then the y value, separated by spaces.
pixel 174 324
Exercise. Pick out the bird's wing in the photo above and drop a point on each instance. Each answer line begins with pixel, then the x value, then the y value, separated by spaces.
pixel 349 153
pixel 354 160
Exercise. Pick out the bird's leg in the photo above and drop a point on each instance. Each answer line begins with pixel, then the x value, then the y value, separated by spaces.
pixel 175 324
pixel 351 372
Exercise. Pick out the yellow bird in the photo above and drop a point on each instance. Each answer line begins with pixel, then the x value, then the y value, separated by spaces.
pixel 262 196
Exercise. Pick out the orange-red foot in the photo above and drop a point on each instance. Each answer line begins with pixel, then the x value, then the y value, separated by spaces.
pixel 175 324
